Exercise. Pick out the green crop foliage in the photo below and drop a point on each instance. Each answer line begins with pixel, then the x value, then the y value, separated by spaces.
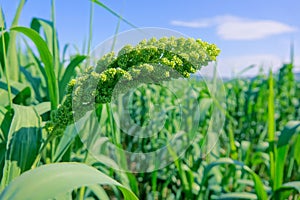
pixel 256 155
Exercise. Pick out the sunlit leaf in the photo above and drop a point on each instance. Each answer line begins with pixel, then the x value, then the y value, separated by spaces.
pixel 55 179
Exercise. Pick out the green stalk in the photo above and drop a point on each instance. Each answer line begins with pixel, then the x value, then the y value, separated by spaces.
pixel 90 28
pixel 6 70
pixel 12 58
pixel 154 182
pixel 110 121
pixel 81 193
pixel 154 179
pixel 116 33
pixel 55 52
pixel 292 53
pixel 39 156
pixel 83 188
pixel 113 13
pixel 181 172
pixel 233 150
pixel 116 137
pixel 271 132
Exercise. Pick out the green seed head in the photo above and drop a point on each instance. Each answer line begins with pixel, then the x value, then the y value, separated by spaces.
pixel 149 61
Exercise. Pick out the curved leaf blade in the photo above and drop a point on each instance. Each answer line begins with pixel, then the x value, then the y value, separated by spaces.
pixel 237 195
pixel 54 179
pixel 47 59
pixel 258 185
pixel 113 13
pixel 12 56
pixel 69 73
pixel 285 190
pixel 23 142
pixel 292 128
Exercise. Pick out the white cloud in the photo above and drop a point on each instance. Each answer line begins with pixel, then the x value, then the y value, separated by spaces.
pixel 230 66
pixel 192 24
pixel 243 30
pixel 236 28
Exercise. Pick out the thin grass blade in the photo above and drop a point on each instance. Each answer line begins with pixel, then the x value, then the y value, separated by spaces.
pixel 113 13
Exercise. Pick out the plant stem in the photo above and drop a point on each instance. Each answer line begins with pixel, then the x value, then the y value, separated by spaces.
pixel 271 132
pixel 81 193
pixel 5 70
pixel 38 157
pixel 12 49
pixel 55 51
pixel 116 33
pixel 83 188
pixel 90 28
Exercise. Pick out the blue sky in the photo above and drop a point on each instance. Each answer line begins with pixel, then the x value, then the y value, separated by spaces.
pixel 248 32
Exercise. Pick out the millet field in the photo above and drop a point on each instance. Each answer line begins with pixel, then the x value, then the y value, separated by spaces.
pixel 141 123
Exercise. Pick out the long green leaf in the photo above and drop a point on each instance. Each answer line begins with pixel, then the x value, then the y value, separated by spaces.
pixel 37 62
pixel 48 181
pixel 35 82
pixel 69 73
pixel 65 142
pixel 285 190
pixel 23 143
pixel 290 129
pixel 12 58
pixel 295 185
pixel 5 122
pixel 2 19
pixel 47 59
pixel 19 92
pixel 284 141
pixel 2 116
pixel 3 112
pixel 113 13
pixel 258 185
pixel 50 36
pixel 5 67
pixel 99 192
pixel 297 150
pixel 42 108
pixel 37 24
pixel 4 41
pixel 237 195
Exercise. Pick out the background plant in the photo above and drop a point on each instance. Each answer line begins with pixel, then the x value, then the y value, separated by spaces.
pixel 257 156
